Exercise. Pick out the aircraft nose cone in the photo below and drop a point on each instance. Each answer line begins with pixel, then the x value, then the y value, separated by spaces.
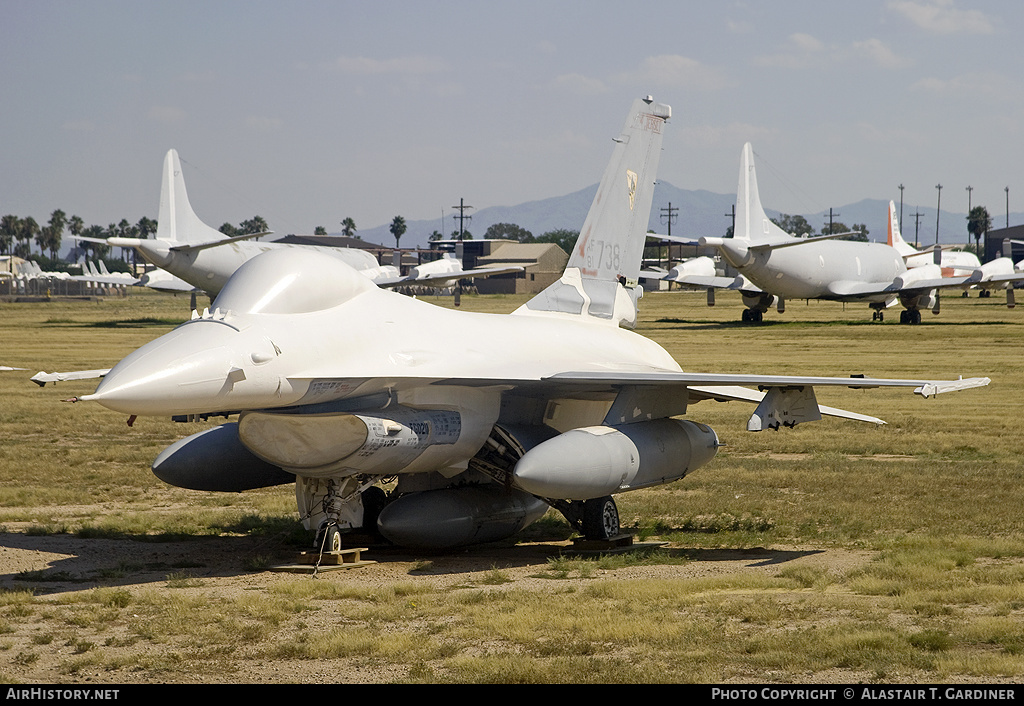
pixel 187 371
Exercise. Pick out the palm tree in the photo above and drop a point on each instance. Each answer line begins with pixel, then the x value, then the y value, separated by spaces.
pixel 348 228
pixel 256 224
pixel 146 226
pixel 76 226
pixel 58 219
pixel 397 229
pixel 27 231
pixel 8 232
pixel 98 250
pixel 978 222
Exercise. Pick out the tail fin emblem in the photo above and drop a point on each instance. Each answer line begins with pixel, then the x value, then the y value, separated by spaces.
pixel 631 183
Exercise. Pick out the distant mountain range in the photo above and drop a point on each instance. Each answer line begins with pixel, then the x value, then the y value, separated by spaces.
pixel 699 213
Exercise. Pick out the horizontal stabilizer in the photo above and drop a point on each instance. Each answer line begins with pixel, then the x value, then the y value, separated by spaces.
pixel 187 247
pixel 444 277
pixel 679 240
pixel 792 242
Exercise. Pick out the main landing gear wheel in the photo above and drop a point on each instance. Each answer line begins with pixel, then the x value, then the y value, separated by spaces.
pixel 910 316
pixel 374 500
pixel 600 518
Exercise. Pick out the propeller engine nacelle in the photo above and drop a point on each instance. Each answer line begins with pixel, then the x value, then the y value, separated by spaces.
pixel 918 274
pixel 592 462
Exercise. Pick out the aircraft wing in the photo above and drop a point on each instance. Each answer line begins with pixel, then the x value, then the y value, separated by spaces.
pixel 736 283
pixel 730 393
pixel 160 283
pixel 166 282
pixel 855 289
pixel 782 400
pixel 925 388
pixel 106 279
pixel 1016 277
pixel 442 277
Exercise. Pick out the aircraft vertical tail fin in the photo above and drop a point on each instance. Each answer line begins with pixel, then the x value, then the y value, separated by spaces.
pixel 177 222
pixel 601 277
pixel 752 223
pixel 895 238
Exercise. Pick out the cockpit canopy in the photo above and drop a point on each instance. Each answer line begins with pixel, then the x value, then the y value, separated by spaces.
pixel 290 281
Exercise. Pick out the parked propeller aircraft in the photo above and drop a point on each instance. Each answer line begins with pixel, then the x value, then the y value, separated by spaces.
pixel 953 263
pixel 486 420
pixel 205 258
pixel 774 266
pixel 999 273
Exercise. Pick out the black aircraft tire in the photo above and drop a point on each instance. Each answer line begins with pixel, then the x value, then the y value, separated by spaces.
pixel 328 539
pixel 374 500
pixel 600 518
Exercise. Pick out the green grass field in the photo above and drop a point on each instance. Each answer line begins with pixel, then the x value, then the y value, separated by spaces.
pixel 935 496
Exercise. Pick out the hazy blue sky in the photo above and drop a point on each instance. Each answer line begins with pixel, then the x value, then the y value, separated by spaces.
pixel 308 112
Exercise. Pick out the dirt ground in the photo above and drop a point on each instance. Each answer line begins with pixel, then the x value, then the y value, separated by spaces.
pixel 222 568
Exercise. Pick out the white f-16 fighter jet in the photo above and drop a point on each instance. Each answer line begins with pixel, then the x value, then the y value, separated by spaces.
pixel 486 420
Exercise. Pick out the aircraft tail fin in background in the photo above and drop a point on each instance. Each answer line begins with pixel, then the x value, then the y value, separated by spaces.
pixel 177 222
pixel 752 223
pixel 601 277
pixel 895 238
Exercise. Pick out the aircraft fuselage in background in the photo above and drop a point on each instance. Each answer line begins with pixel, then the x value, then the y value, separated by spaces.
pixel 808 271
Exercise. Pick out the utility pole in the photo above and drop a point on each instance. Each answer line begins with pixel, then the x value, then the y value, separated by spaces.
pixel 830 216
pixel 937 205
pixel 969 190
pixel 668 215
pixel 1007 190
pixel 917 226
pixel 733 215
pixel 901 205
pixel 461 208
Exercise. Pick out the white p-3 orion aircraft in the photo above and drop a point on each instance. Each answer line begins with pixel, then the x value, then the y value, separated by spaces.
pixel 775 266
pixel 485 420
pixel 205 258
